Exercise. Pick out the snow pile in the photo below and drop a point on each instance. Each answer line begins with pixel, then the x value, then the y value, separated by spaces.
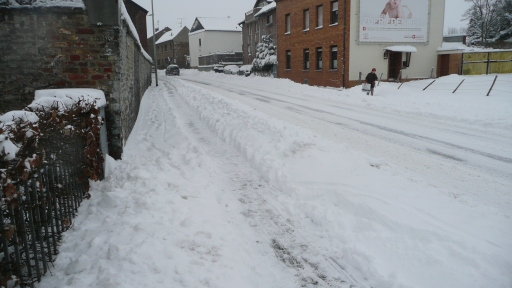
pixel 231 69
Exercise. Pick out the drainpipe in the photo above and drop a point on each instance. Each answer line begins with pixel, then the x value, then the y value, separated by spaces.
pixel 344 40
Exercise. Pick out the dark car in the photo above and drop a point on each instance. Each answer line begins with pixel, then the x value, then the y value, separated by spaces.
pixel 172 70
pixel 218 69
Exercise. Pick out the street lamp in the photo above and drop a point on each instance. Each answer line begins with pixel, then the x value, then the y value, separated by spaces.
pixel 154 43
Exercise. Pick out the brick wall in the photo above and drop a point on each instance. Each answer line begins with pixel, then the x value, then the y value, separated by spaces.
pixel 44 48
pixel 326 37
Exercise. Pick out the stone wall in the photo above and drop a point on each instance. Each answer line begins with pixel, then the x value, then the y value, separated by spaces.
pixel 46 48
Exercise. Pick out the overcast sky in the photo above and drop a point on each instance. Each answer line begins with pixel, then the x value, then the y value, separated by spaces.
pixel 171 12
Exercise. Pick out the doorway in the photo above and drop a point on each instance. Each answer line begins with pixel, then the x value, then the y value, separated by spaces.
pixel 394 65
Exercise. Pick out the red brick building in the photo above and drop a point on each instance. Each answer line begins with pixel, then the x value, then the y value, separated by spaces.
pixel 313 37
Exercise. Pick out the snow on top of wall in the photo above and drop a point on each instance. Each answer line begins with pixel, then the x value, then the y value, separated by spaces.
pixel 70 96
pixel 126 17
pixel 266 8
pixel 46 3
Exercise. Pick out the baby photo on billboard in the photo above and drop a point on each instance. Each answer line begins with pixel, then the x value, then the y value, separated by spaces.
pixel 395 9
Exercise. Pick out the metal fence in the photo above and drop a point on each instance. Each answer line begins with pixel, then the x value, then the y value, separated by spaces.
pixel 40 203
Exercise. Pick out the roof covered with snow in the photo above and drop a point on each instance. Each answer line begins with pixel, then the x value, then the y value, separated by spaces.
pixel 46 3
pixel 170 35
pixel 266 9
pixel 215 24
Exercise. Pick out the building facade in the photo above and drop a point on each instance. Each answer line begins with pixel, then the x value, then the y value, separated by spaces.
pixel 336 43
pixel 157 36
pixel 213 36
pixel 173 48
pixel 259 21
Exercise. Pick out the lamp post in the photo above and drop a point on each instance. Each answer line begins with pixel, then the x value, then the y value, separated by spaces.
pixel 154 43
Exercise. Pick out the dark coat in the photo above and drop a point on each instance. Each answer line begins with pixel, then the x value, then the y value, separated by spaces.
pixel 371 78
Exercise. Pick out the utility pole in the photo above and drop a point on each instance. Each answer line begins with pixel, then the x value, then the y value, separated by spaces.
pixel 154 43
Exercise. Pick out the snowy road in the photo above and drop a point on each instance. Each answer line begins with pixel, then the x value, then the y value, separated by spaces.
pixel 440 150
pixel 230 181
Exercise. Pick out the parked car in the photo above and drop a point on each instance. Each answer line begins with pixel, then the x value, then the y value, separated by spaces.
pixel 245 70
pixel 172 70
pixel 231 69
pixel 218 69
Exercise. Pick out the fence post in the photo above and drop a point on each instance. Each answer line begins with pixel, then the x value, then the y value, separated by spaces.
pixel 458 86
pixel 360 75
pixel 429 85
pixel 492 85
pixel 432 73
pixel 399 76
pixel 380 78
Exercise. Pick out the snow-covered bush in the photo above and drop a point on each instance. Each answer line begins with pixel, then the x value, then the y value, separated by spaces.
pixel 266 56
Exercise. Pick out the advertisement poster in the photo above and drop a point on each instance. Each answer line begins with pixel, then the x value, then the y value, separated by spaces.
pixel 394 21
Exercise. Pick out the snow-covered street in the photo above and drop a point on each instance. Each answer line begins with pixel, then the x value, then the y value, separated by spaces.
pixel 230 181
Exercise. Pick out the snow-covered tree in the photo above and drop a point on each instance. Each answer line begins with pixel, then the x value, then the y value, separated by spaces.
pixel 266 55
pixel 488 21
pixel 505 34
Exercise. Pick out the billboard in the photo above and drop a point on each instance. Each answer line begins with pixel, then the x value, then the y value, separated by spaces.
pixel 394 21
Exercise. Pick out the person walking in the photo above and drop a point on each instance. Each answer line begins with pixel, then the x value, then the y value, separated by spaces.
pixel 370 79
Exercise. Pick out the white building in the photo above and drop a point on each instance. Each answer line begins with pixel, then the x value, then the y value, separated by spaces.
pixel 405 38
pixel 213 36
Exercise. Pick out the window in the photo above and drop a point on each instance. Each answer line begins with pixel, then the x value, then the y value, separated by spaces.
pixel 269 19
pixel 199 42
pixel 287 23
pixel 257 33
pixel 165 48
pixel 319 16
pixel 306 59
pixel 334 12
pixel 249 35
pixel 249 49
pixel 334 58
pixel 306 19
pixel 319 58
pixel 288 60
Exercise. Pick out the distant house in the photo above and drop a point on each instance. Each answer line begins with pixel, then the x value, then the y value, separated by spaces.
pixel 259 21
pixel 138 16
pixel 209 36
pixel 158 34
pixel 173 48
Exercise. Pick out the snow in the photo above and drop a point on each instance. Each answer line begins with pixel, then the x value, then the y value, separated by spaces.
pixel 49 3
pixel 403 48
pixel 266 8
pixel 168 36
pixel 64 99
pixel 264 182
pixel 231 69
